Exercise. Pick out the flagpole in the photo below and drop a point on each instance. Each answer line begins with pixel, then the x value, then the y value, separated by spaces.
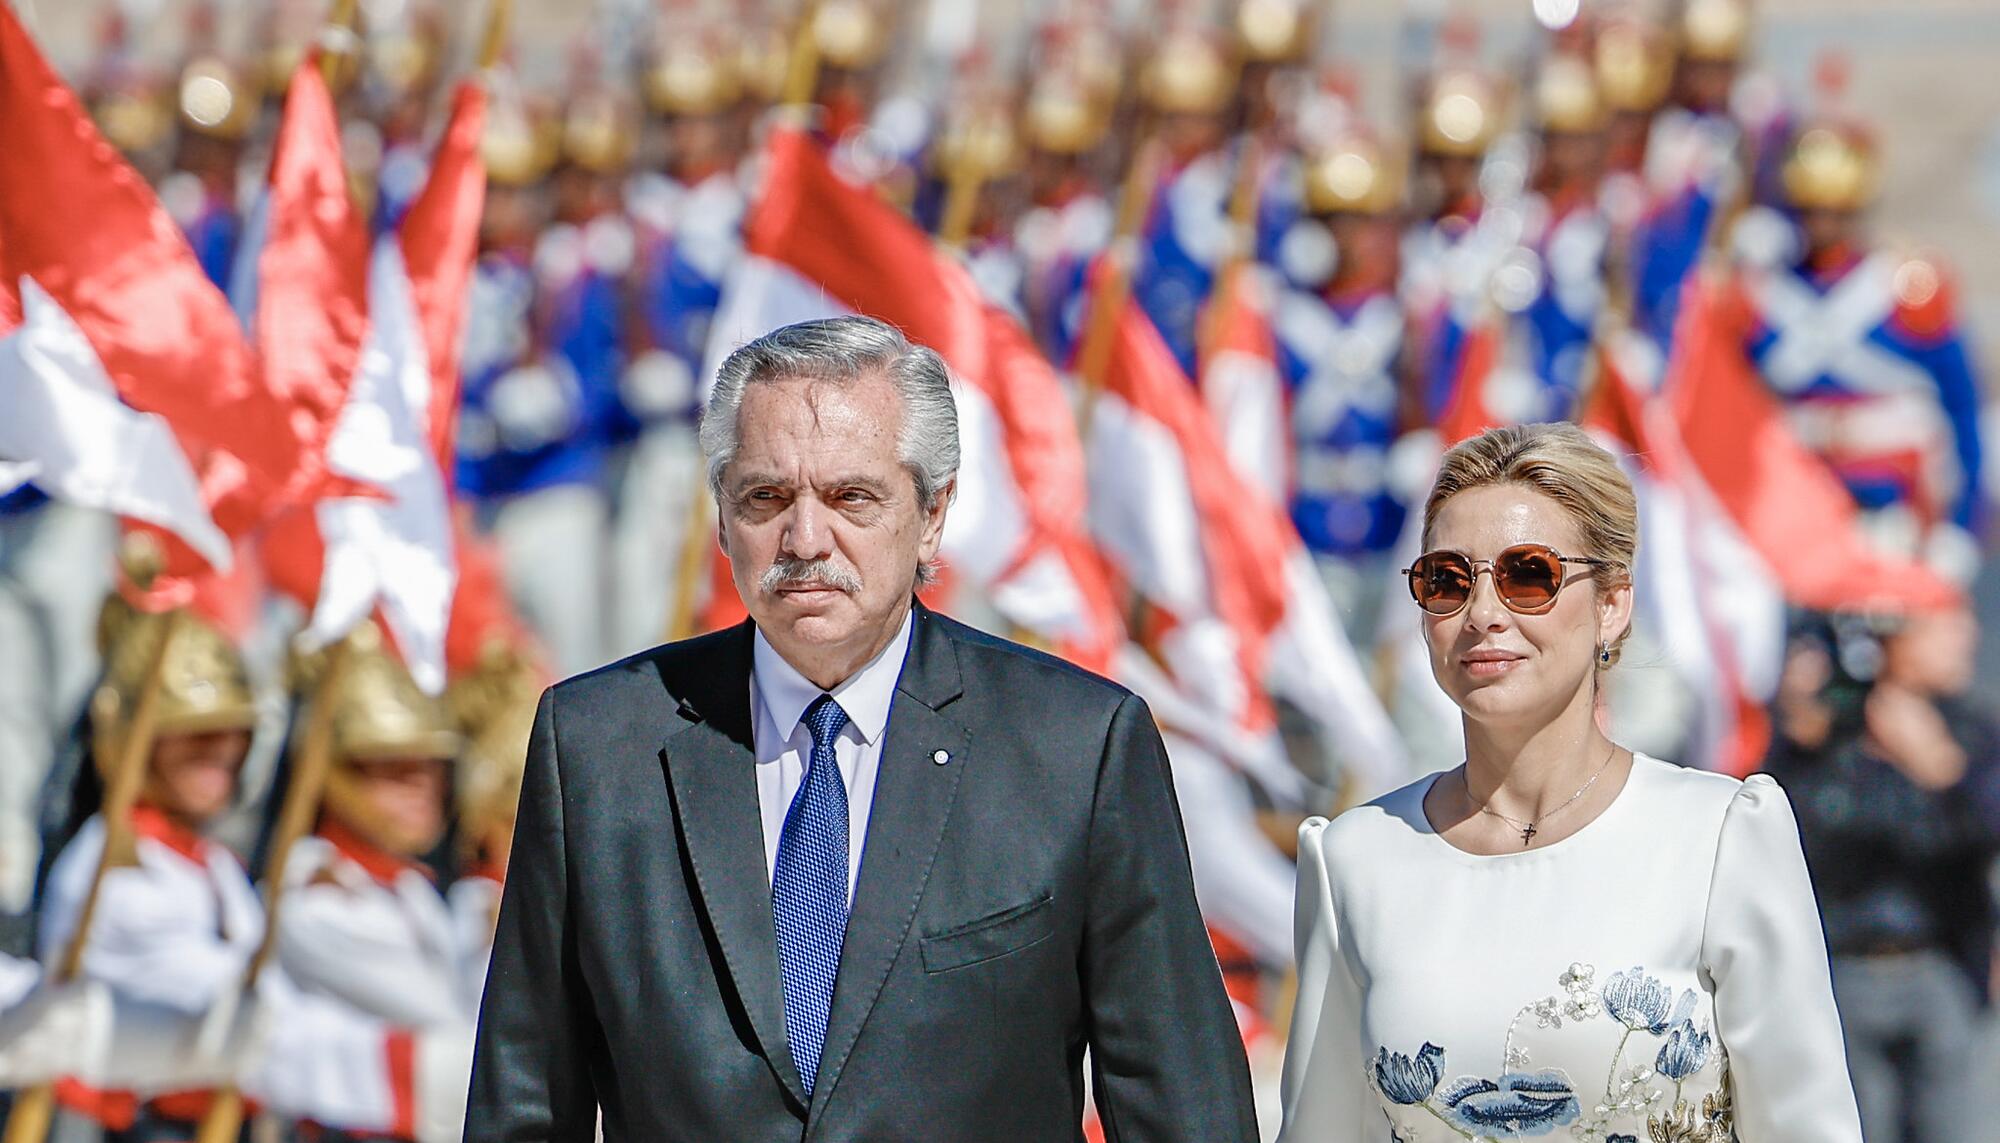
pixel 34 1109
pixel 1242 246
pixel 493 41
pixel 1113 287
pixel 223 1121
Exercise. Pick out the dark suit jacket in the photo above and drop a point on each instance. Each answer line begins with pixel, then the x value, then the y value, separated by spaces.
pixel 1026 898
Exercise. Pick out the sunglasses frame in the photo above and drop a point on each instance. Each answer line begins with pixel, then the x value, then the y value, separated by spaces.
pixel 1563 580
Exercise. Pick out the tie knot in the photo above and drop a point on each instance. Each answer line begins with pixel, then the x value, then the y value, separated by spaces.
pixel 825 718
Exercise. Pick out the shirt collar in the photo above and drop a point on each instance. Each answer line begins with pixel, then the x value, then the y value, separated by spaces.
pixel 865 695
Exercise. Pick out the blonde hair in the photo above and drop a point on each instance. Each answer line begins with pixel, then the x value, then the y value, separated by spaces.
pixel 1561 462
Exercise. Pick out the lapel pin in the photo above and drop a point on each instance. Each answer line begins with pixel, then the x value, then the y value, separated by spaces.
pixel 940 757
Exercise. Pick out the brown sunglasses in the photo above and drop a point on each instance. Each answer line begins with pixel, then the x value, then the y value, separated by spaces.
pixel 1527 576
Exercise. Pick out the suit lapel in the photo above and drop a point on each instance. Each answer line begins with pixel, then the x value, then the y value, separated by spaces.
pixel 913 800
pixel 711 764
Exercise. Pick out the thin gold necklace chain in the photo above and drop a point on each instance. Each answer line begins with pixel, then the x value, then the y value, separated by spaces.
pixel 1533 826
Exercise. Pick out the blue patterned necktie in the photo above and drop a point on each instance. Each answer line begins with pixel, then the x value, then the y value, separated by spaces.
pixel 809 891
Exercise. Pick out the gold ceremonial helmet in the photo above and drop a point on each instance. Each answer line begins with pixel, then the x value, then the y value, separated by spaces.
pixel 696 78
pixel 1634 65
pixel 1274 31
pixel 1461 114
pixel 203 684
pixel 1187 73
pixel 379 714
pixel 379 711
pixel 1567 97
pixel 519 143
pixel 1831 166
pixel 216 100
pixel 405 58
pixel 982 142
pixel 598 134
pixel 1715 30
pixel 1060 117
pixel 763 59
pixel 495 706
pixel 135 118
pixel 1353 175
pixel 849 34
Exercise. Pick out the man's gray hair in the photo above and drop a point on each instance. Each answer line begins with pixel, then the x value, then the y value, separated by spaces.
pixel 843 350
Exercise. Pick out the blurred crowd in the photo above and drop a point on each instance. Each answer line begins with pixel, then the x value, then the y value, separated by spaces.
pixel 1489 249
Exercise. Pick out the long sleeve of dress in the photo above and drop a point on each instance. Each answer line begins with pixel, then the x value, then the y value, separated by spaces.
pixel 1325 1097
pixel 1764 950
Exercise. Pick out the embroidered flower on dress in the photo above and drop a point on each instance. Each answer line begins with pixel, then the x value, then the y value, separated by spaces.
pixel 1515 1106
pixel 1580 982
pixel 1685 1052
pixel 1643 1004
pixel 1548 1012
pixel 1406 1081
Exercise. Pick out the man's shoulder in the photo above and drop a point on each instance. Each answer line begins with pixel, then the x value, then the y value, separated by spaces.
pixel 988 661
pixel 673 666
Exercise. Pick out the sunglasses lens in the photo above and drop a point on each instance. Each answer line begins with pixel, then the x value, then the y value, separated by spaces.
pixel 1529 576
pixel 1441 582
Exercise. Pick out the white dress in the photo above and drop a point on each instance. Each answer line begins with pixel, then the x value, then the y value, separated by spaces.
pixel 1659 976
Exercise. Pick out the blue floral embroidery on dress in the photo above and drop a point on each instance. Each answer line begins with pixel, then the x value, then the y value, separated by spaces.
pixel 1524 1103
pixel 1641 1002
pixel 1685 1052
pixel 1514 1106
pixel 1404 1080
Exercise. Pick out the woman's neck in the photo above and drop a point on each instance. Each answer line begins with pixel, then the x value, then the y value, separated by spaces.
pixel 1525 770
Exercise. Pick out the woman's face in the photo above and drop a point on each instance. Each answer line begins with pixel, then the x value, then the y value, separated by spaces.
pixel 1503 668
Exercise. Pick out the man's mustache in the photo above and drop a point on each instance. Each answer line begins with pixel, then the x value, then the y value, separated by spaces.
pixel 793 573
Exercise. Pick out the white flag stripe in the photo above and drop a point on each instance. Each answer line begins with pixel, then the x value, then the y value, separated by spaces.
pixel 62 419
pixel 396 551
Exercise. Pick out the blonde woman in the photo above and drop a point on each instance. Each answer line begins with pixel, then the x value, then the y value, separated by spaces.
pixel 1557 938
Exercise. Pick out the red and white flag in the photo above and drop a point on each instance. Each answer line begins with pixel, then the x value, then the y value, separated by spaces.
pixel 1240 614
pixel 1701 590
pixel 1790 506
pixel 388 318
pixel 125 382
pixel 1242 385
pixel 817 245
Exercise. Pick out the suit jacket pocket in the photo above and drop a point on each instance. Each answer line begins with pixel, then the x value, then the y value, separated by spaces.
pixel 990 937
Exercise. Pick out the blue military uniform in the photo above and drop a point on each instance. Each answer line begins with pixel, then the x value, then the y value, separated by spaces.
pixel 1871 363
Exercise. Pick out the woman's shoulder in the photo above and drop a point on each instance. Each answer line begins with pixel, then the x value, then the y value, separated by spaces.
pixel 1366 827
pixel 1684 790
pixel 1704 806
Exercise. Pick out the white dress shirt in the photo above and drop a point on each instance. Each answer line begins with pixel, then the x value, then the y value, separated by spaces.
pixel 779 696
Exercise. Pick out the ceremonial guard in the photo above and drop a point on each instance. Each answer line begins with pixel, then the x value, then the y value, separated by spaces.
pixel 688 217
pixel 1455 244
pixel 400 86
pixel 1698 165
pixel 1341 337
pixel 531 454
pixel 366 923
pixel 217 109
pixel 1065 120
pixel 494 706
pixel 1634 68
pixel 173 923
pixel 1567 231
pixel 1865 348
pixel 1187 87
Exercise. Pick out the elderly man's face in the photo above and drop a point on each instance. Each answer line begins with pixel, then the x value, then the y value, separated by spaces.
pixel 821 523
